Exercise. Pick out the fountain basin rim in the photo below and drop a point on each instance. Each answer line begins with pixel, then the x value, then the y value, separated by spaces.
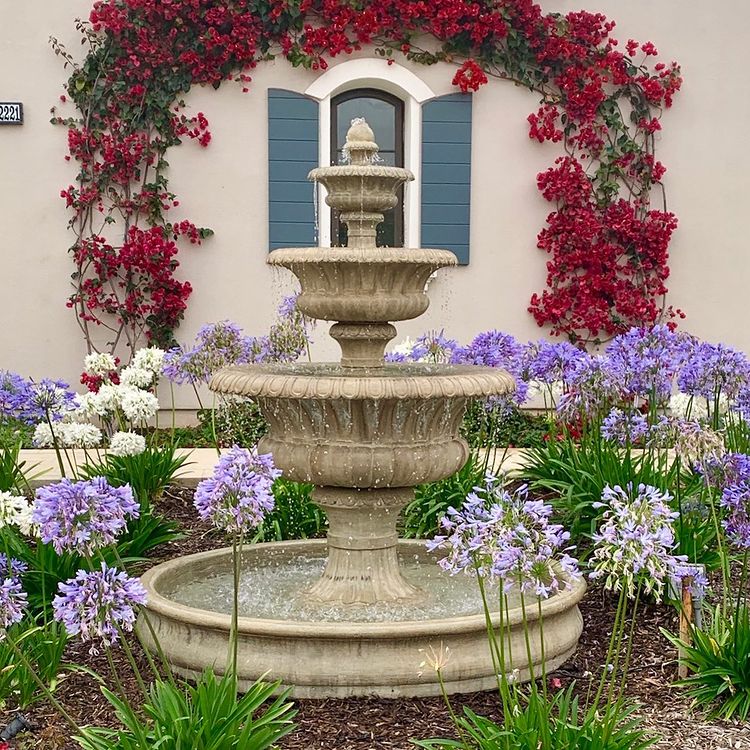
pixel 416 256
pixel 336 630
pixel 319 382
pixel 360 170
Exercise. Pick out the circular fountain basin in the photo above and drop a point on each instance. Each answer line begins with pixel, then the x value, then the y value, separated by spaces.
pixel 335 650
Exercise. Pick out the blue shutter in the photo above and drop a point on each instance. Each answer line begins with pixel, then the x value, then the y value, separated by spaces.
pixel 292 153
pixel 446 174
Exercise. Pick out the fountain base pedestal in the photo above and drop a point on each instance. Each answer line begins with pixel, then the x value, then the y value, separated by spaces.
pixel 362 565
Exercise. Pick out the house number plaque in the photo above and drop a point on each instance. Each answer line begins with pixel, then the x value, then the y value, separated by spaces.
pixel 11 113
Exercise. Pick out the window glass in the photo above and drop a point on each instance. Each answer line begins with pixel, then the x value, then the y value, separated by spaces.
pixel 384 114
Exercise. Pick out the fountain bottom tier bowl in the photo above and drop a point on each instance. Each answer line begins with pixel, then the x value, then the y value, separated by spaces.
pixel 323 650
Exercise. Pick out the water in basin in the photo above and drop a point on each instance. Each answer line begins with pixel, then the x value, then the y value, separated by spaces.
pixel 274 589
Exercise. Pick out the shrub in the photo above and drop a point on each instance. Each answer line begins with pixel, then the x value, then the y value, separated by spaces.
pixel 719 658
pixel 205 716
pixel 431 501
pixel 44 647
pixel 295 515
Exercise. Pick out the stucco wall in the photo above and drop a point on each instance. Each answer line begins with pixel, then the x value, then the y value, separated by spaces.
pixel 224 187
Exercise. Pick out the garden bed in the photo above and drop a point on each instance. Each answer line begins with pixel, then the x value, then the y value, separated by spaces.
pixel 372 724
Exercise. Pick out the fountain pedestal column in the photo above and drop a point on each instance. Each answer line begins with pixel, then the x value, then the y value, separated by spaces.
pixel 362 566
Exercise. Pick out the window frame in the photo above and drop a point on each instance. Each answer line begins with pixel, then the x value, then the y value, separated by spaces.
pixel 399 106
pixel 390 76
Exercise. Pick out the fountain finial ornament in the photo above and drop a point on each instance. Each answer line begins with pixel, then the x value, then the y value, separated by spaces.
pixel 360 148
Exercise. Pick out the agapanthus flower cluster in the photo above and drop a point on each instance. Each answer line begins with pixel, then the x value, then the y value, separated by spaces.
pixel 712 369
pixel 551 362
pixel 218 345
pixel 238 496
pixel 633 547
pixel 591 390
pixel 13 602
pixel 99 605
pixel 496 349
pixel 699 583
pixel 504 535
pixel 51 399
pixel 83 516
pixel 726 470
pixel 735 501
pixel 15 397
pixel 624 427
pixel 11 568
pixel 224 344
pixel 67 435
pixel 127 444
pixel 288 337
pixel 433 346
pixel 644 361
pixel 693 442
pixel 16 510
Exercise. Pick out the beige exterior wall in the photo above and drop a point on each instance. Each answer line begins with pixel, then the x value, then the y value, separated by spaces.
pixel 224 187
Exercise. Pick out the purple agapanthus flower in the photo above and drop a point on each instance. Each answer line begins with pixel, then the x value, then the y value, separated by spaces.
pixel 50 399
pixel 633 547
pixel 735 500
pixel 82 516
pixel 238 496
pixel 624 427
pixel 699 584
pixel 506 536
pixel 591 390
pixel 287 338
pixel 13 602
pixel 725 471
pixel 218 345
pixel 12 569
pixel 644 361
pixel 714 369
pixel 496 349
pixel 551 361
pixel 97 605
pixel 16 397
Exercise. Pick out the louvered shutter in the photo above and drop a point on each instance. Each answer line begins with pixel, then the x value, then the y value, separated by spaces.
pixel 446 174
pixel 292 153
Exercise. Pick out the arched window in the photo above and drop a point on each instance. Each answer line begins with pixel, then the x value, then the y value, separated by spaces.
pixel 384 113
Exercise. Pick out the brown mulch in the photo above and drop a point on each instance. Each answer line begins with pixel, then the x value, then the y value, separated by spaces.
pixel 390 724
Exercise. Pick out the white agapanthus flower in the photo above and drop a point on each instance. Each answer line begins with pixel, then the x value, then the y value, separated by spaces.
pixel 137 405
pixel 101 403
pixel 80 435
pixel 405 347
pixel 151 358
pixel 99 364
pixel 67 435
pixel 684 405
pixel 15 510
pixel 44 437
pixel 136 377
pixel 127 444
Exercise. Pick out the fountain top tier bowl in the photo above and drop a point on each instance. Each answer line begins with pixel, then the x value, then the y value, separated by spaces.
pixel 362 286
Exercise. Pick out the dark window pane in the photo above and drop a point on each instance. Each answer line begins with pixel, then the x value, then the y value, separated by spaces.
pixel 380 116
pixel 384 114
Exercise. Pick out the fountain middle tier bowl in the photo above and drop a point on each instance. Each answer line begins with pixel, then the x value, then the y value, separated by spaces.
pixel 391 426
pixel 333 650
pixel 362 284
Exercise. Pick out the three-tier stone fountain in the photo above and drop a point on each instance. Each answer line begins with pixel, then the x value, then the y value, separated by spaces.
pixel 353 614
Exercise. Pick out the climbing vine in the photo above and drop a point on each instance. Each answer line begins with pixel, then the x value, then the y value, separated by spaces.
pixel 607 236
